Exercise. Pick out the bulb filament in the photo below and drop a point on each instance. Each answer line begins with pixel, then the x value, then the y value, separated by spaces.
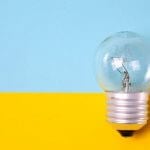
pixel 124 73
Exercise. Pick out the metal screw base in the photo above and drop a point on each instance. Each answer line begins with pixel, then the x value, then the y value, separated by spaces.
pixel 127 108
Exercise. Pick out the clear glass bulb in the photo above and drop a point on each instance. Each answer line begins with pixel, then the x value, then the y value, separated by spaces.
pixel 123 63
pixel 123 72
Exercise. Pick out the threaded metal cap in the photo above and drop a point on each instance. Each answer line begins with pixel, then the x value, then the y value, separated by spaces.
pixel 127 108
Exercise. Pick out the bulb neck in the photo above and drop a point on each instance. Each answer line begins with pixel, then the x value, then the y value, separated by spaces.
pixel 127 108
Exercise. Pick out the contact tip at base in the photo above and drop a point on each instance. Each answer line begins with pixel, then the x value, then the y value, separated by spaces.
pixel 126 133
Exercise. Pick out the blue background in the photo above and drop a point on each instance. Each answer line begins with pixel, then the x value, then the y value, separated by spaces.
pixel 50 45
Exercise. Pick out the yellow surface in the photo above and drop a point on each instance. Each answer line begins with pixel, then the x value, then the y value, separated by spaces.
pixel 61 122
pixel 121 126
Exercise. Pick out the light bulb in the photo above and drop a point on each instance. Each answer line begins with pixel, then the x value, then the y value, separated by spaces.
pixel 123 72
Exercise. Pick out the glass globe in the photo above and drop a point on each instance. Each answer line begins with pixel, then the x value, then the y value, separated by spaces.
pixel 123 63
